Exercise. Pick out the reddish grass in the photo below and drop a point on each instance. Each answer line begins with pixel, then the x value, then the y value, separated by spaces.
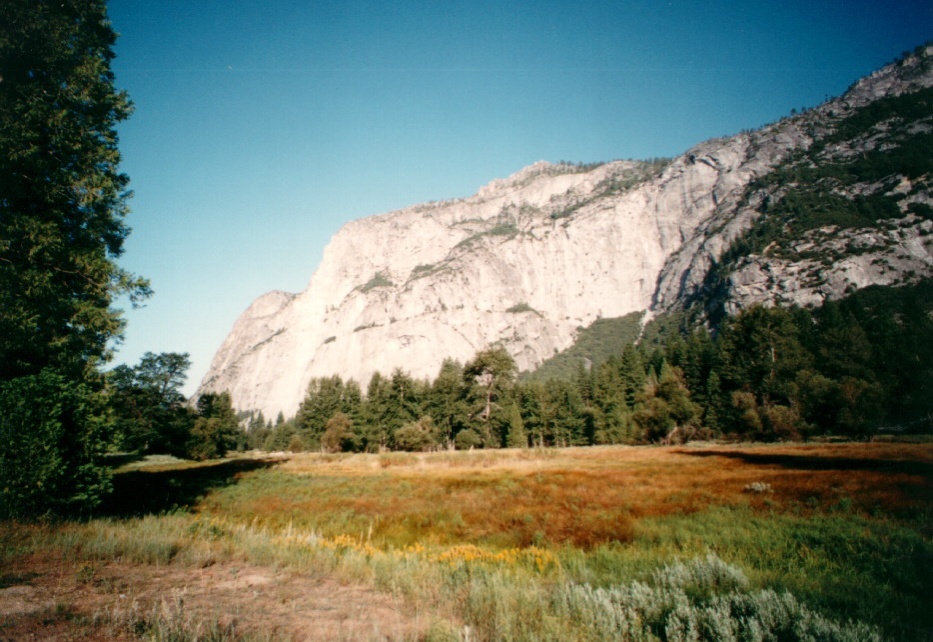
pixel 585 496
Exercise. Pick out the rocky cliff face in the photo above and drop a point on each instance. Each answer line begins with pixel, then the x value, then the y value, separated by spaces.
pixel 531 258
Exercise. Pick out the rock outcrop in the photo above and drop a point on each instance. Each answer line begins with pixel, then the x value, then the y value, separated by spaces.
pixel 529 259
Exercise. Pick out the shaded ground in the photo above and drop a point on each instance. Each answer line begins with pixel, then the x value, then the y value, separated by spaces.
pixel 814 461
pixel 142 492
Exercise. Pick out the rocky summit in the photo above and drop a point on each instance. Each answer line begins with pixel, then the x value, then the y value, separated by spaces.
pixel 811 207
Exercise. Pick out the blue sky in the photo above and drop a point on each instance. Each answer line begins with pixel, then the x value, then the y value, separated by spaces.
pixel 261 127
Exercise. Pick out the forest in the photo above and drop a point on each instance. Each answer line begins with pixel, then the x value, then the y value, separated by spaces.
pixel 850 368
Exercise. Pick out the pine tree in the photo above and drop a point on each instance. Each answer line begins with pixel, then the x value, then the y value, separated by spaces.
pixel 446 403
pixel 632 372
pixel 517 436
pixel 489 374
pixel 216 430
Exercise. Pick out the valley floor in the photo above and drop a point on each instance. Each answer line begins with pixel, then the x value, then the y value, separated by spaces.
pixel 486 545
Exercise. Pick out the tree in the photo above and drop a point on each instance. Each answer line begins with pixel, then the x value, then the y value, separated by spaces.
pixel 445 402
pixel 62 198
pixel 323 400
pixel 374 434
pixel 566 413
pixel 665 405
pixel 338 434
pixel 517 437
pixel 149 407
pixel 490 373
pixel 51 431
pixel 761 353
pixel 416 436
pixel 216 429
pixel 406 398
pixel 632 373
pixel 62 209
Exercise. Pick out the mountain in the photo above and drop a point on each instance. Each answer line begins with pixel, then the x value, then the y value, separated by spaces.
pixel 814 206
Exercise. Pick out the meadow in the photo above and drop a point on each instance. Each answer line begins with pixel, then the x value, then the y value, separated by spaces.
pixel 705 541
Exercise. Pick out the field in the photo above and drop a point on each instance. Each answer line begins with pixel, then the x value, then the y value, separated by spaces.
pixel 707 541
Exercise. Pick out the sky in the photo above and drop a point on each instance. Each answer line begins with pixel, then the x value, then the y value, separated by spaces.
pixel 260 127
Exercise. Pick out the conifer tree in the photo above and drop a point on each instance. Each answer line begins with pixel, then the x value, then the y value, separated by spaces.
pixel 517 436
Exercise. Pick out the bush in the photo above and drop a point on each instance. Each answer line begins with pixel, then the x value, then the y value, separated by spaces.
pixel 338 435
pixel 52 431
pixel 416 436
pixel 467 439
pixel 705 599
pixel 296 444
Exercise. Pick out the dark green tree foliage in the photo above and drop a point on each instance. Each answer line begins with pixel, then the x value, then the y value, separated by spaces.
pixel 281 437
pixel 446 403
pixel 324 399
pixel 761 351
pixel 62 197
pixel 528 396
pixel 405 401
pixel 150 411
pixel 665 405
pixel 565 414
pixel 62 205
pixel 633 375
pixel 373 434
pixel 51 429
pixel 215 430
pixel 258 430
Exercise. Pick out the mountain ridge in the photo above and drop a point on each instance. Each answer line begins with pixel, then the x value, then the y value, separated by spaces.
pixel 530 258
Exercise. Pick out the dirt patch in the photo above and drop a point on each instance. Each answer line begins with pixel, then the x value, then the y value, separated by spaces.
pixel 64 601
pixel 22 600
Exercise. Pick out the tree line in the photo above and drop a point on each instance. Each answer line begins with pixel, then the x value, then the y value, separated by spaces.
pixel 848 368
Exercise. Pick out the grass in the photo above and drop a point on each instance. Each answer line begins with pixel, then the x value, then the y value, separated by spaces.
pixel 542 544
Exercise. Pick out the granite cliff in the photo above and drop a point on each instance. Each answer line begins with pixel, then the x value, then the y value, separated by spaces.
pixel 529 259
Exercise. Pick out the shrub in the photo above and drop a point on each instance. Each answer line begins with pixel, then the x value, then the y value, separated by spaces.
pixel 518 308
pixel 379 280
pixel 467 439
pixel 338 434
pixel 52 430
pixel 296 444
pixel 705 599
pixel 416 436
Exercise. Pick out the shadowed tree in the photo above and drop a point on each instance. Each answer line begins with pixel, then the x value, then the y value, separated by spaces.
pixel 62 205
pixel 216 429
pixel 148 405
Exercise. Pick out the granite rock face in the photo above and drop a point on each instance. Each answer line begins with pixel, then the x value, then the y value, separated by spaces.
pixel 529 259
